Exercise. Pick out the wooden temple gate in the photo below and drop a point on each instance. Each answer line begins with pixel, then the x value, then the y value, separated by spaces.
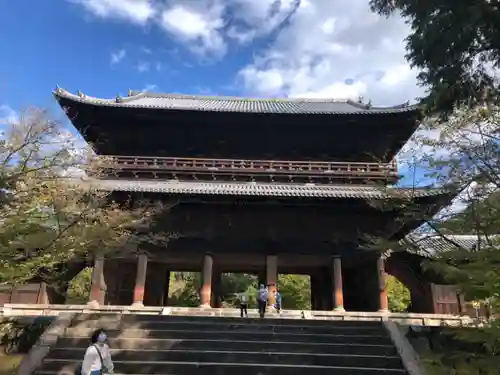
pixel 298 201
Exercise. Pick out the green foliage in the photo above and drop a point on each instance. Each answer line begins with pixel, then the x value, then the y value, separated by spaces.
pixel 457 351
pixel 47 218
pixel 232 284
pixel 295 291
pixel 454 44
pixel 466 222
pixel 184 291
pixel 462 152
pixel 79 288
pixel 398 295
pixel 19 337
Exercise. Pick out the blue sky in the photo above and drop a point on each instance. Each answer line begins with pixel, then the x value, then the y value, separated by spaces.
pixel 263 48
pixel 239 47
pixel 332 49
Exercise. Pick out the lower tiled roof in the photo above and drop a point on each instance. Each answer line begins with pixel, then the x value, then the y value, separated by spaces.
pixel 261 189
pixel 436 244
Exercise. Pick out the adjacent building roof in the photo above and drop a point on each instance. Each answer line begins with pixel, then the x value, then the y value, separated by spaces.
pixel 436 244
pixel 262 189
pixel 234 104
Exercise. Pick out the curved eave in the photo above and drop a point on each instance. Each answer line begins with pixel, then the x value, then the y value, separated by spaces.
pixel 233 104
pixel 175 187
pixel 440 199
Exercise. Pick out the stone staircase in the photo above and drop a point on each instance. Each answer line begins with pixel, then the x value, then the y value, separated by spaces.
pixel 187 345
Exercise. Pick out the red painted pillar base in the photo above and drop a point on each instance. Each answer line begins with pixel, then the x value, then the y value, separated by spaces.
pixel 338 292
pixel 206 287
pixel 382 279
pixel 97 296
pixel 271 279
pixel 140 280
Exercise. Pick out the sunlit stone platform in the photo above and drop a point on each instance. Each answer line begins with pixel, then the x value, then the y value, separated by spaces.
pixel 431 320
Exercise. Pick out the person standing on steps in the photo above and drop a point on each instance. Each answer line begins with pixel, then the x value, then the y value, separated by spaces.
pixel 97 359
pixel 244 304
pixel 277 298
pixel 262 300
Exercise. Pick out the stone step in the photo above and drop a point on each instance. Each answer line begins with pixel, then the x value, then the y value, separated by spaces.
pixel 247 335
pixel 273 320
pixel 273 357
pixel 237 325
pixel 67 367
pixel 237 346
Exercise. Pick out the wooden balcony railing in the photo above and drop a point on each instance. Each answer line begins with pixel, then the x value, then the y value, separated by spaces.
pixel 316 169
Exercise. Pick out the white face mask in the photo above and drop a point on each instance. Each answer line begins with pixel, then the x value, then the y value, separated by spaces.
pixel 102 337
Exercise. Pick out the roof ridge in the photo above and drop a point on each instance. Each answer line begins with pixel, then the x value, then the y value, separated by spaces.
pixel 149 94
pixel 135 94
pixel 144 99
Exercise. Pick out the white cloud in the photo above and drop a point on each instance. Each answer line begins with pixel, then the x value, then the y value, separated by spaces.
pixel 334 49
pixel 259 17
pixel 143 66
pixel 135 11
pixel 150 87
pixel 117 56
pixel 7 115
pixel 199 26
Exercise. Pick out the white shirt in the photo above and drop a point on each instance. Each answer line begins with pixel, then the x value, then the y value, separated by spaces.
pixel 243 298
pixel 92 362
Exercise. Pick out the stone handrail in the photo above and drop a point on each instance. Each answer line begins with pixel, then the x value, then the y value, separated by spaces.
pixel 409 357
pixel 416 319
pixel 46 341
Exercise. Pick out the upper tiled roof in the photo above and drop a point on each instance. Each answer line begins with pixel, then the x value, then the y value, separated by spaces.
pixel 260 189
pixel 233 104
pixel 436 244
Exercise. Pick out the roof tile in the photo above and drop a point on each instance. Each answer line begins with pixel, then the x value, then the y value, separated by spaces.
pixel 259 189
pixel 436 244
pixel 234 104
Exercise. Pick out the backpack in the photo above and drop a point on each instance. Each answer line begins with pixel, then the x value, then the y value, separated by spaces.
pixel 263 295
pixel 78 370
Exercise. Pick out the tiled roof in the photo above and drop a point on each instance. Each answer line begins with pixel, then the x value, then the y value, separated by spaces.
pixel 436 244
pixel 259 189
pixel 233 104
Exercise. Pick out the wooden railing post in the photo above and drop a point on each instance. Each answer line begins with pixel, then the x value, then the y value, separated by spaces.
pixel 315 169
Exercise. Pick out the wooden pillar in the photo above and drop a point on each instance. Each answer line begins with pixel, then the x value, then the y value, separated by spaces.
pixel 97 288
pixel 261 278
pixel 315 296
pixel 271 278
pixel 155 284
pixel 338 292
pixel 43 297
pixel 206 287
pixel 140 279
pixel 216 289
pixel 166 287
pixel 382 284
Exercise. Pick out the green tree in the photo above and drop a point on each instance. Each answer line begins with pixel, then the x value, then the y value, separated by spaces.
pixel 295 291
pixel 461 152
pixel 49 215
pixel 79 288
pixel 455 45
pixel 398 295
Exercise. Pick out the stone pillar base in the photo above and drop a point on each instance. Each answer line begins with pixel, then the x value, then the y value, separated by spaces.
pixel 339 309
pixel 205 306
pixel 138 304
pixel 93 304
